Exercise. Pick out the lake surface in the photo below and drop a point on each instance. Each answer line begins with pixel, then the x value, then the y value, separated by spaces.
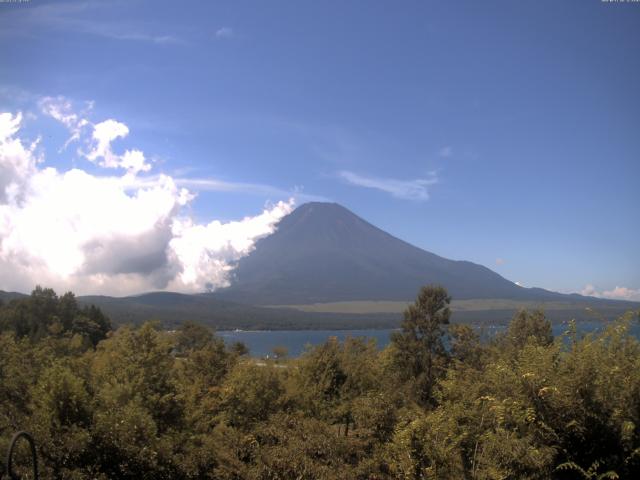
pixel 262 342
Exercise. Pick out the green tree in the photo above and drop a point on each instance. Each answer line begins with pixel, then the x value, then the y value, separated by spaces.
pixel 62 419
pixel 239 349
pixel 292 446
pixel 529 327
pixel 427 447
pixel 250 394
pixel 43 314
pixel 420 355
pixel 333 375
pixel 92 324
pixel 199 373
pixel 466 346
pixel 192 336
pixel 138 405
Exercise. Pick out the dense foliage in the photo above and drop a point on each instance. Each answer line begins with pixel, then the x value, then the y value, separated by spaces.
pixel 143 403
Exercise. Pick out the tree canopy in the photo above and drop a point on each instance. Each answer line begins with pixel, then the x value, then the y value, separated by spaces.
pixel 436 403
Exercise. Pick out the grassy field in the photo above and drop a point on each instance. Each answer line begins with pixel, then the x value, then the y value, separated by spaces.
pixel 369 307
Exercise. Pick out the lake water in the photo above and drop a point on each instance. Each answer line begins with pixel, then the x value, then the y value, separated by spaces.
pixel 262 342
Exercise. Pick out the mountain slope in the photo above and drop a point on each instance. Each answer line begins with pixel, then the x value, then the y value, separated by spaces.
pixel 322 252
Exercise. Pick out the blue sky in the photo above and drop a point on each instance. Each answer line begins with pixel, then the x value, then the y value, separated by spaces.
pixel 505 133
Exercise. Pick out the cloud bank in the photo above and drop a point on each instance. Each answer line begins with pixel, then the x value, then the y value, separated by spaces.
pixel 115 235
pixel 618 293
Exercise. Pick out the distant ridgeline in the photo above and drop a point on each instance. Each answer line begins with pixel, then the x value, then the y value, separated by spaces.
pixel 172 309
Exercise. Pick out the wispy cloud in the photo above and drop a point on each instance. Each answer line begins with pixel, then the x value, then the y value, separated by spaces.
pixel 445 152
pixel 61 109
pixel 225 32
pixel 217 185
pixel 618 293
pixel 416 189
pixel 111 31
pixel 85 18
pixel 500 261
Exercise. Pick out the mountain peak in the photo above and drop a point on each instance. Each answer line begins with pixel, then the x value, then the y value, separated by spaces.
pixel 322 252
pixel 310 206
pixel 322 212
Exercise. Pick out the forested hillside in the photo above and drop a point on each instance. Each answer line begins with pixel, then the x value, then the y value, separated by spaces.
pixel 144 403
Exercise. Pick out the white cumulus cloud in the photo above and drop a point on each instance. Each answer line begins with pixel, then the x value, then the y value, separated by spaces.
pixel 109 234
pixel 104 133
pixel 17 161
pixel 208 251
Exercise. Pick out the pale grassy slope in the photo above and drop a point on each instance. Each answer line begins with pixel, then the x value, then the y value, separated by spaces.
pixel 475 305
